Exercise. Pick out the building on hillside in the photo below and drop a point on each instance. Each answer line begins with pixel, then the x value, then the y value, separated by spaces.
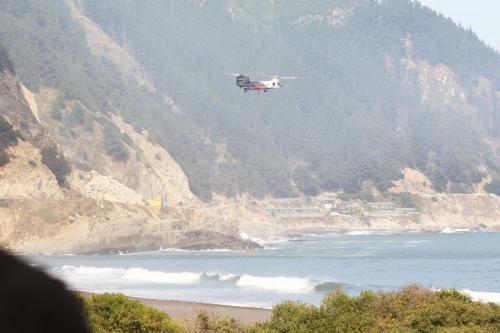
pixel 329 200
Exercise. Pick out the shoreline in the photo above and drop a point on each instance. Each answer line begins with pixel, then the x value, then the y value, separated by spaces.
pixel 265 239
pixel 185 310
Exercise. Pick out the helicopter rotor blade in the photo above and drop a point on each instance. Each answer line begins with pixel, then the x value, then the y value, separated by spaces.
pixel 235 74
pixel 280 77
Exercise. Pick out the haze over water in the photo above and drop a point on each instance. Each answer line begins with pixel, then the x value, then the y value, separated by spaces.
pixel 300 269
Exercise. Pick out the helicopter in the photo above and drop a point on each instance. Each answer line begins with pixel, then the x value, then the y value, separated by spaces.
pixel 243 81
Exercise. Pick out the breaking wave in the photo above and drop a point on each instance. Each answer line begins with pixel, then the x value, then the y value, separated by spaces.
pixel 366 232
pixel 279 283
pixel 86 277
pixel 143 275
pixel 482 296
pixel 455 230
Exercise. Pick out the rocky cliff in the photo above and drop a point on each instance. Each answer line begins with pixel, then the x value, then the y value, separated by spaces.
pixel 93 211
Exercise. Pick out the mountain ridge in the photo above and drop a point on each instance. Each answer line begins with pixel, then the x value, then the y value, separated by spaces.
pixel 352 25
pixel 358 114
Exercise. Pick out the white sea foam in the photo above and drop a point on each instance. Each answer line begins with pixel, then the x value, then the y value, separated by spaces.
pixel 85 277
pixel 455 230
pixel 144 275
pixel 222 276
pixel 366 232
pixel 279 283
pixel 89 271
pixel 195 251
pixel 323 235
pixel 248 305
pixel 97 275
pixel 482 296
pixel 268 242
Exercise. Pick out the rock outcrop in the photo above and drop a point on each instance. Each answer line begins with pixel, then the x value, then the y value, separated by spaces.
pixel 159 175
pixel 103 188
pixel 96 212
pixel 414 182
pixel 25 176
pixel 17 111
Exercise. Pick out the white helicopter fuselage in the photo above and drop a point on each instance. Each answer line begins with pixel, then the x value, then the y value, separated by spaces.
pixel 271 84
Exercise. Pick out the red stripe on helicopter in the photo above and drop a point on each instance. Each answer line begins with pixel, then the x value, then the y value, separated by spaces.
pixel 259 85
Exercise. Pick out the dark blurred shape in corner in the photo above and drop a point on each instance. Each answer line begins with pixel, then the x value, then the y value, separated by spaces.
pixel 31 301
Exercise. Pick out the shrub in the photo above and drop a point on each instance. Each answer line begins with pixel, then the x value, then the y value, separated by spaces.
pixel 114 141
pixel 56 114
pixel 58 105
pixel 5 62
pixel 114 146
pixel 306 182
pixel 459 188
pixel 413 309
pixel 343 313
pixel 4 157
pixel 405 199
pixel 206 322
pixel 115 313
pixel 295 317
pixel 493 187
pixel 8 137
pixel 79 116
pixel 54 159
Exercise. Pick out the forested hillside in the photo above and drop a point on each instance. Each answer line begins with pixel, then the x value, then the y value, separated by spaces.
pixel 383 85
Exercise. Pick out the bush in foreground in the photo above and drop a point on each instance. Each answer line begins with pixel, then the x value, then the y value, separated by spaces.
pixel 115 313
pixel 413 309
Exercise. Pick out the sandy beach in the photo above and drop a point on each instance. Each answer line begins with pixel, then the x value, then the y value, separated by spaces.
pixel 182 310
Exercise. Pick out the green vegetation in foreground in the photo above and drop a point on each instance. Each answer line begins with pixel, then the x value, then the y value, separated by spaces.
pixel 114 313
pixel 413 309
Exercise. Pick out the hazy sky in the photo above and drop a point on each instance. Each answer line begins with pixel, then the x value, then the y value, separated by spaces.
pixel 483 16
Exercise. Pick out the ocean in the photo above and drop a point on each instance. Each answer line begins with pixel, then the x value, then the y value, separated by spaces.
pixel 301 268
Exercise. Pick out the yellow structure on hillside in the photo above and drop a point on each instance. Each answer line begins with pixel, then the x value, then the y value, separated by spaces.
pixel 154 203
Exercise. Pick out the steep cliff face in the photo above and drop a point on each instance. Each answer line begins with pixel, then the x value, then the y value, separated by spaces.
pixel 147 168
pixel 159 175
pixel 102 211
pixel 17 111
pixel 25 176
